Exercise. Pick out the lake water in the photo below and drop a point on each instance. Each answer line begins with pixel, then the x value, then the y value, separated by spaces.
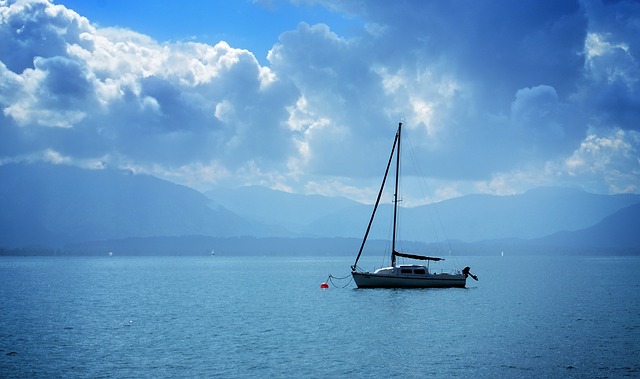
pixel 176 317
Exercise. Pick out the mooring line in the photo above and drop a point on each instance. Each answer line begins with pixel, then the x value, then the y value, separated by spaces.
pixel 331 277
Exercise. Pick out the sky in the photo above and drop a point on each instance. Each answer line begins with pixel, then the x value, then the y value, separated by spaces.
pixel 496 97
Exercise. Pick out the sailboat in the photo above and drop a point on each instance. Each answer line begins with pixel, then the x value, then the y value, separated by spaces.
pixel 404 275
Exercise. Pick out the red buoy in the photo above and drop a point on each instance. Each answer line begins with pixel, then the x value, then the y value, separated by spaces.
pixel 324 285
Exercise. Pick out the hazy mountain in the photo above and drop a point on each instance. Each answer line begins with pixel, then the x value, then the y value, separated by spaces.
pixel 615 235
pixel 534 214
pixel 292 211
pixel 57 204
pixel 621 230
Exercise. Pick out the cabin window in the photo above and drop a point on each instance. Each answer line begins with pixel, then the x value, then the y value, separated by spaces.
pixel 419 271
pixel 405 271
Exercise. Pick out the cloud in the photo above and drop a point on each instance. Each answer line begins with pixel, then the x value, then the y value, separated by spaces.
pixel 449 70
pixel 499 46
pixel 493 89
pixel 612 155
pixel 495 97
pixel 549 125
pixel 37 29
pixel 83 91
pixel 613 90
pixel 54 93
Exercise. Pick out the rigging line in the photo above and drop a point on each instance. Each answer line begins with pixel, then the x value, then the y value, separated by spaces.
pixel 426 194
pixel 384 258
pixel 400 208
pixel 431 207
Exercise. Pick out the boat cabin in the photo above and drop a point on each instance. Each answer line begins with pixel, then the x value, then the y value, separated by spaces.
pixel 404 270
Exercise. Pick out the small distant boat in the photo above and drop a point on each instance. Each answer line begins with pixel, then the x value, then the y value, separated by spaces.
pixel 111 254
pixel 213 252
pixel 403 276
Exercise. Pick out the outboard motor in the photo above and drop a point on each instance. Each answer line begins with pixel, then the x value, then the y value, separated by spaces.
pixel 467 272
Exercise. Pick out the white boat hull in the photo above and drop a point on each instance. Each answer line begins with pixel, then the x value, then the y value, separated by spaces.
pixel 394 279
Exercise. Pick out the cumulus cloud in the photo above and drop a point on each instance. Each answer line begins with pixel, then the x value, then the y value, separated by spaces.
pixel 503 89
pixel 608 159
pixel 496 97
pixel 83 91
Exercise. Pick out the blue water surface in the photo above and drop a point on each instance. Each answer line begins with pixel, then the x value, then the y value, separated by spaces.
pixel 227 317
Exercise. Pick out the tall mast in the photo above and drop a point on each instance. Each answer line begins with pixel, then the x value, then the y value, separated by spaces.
pixel 395 199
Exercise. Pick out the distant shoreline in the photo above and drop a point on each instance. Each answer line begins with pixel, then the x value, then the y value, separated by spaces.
pixel 307 246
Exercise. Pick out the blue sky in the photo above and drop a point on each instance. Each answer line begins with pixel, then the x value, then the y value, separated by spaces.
pixel 245 24
pixel 497 97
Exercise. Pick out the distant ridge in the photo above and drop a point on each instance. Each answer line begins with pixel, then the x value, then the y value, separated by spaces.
pixel 620 231
pixel 616 234
pixel 534 214
pixel 45 204
pixel 292 211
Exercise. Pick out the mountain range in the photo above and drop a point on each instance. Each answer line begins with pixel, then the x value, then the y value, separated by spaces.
pixel 535 214
pixel 62 206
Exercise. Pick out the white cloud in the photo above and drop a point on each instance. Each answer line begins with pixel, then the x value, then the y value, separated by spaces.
pixel 119 91
pixel 611 158
pixel 606 161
